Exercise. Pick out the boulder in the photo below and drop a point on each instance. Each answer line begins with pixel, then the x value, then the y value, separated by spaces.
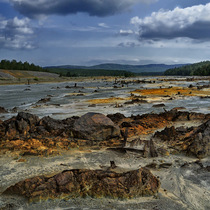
pixel 31 119
pixel 94 183
pixel 52 126
pixel 95 126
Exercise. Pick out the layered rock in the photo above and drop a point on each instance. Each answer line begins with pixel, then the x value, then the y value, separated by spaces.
pixel 148 123
pixel 94 183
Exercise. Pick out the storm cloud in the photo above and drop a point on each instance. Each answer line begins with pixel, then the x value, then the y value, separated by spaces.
pixel 99 8
pixel 192 22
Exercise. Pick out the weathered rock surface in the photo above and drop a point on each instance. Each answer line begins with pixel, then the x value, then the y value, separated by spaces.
pixel 148 123
pixel 199 141
pixel 31 135
pixel 95 126
pixel 94 183
pixel 195 141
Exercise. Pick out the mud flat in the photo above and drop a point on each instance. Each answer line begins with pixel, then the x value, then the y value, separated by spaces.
pixel 107 158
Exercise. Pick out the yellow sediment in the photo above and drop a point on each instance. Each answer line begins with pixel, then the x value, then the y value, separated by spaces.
pixel 172 91
pixel 106 100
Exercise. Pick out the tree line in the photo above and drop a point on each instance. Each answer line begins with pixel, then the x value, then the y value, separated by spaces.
pixel 18 65
pixel 196 69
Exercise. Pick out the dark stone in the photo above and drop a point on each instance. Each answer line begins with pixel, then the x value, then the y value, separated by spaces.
pixel 126 124
pixel 136 100
pixel 54 127
pixel 3 110
pixel 95 126
pixel 158 105
pixel 31 119
pixel 44 100
pixel 112 165
pixel 116 117
pixel 168 134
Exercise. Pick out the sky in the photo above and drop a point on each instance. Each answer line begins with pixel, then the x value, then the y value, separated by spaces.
pixel 89 32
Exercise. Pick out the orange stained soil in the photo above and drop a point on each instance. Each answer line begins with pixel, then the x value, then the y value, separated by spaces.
pixel 172 91
pixel 107 100
pixel 18 74
pixel 147 126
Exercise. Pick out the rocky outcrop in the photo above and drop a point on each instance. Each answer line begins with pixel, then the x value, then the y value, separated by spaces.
pixel 33 136
pixel 43 136
pixel 94 183
pixel 95 126
pixel 92 126
pixel 22 125
pixel 199 141
pixel 193 140
pixel 148 123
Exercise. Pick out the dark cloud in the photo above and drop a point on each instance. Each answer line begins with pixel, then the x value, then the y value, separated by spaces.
pixel 192 22
pixel 99 8
pixel 198 30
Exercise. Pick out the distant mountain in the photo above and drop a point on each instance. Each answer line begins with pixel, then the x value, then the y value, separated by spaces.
pixel 124 67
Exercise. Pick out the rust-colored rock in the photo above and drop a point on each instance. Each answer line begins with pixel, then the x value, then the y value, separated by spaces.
pixel 45 136
pixel 95 126
pixel 94 183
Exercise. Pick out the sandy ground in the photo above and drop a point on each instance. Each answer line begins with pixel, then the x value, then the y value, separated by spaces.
pixel 181 187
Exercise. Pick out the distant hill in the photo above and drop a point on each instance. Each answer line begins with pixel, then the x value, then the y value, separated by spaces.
pixel 89 72
pixel 111 66
pixel 196 69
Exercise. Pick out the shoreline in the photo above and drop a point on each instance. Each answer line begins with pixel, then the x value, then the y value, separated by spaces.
pixel 24 81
